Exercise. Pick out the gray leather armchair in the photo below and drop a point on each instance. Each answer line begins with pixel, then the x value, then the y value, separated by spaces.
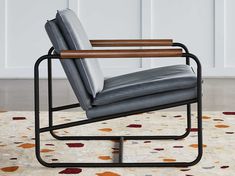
pixel 116 97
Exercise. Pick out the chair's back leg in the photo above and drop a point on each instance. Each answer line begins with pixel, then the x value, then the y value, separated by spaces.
pixel 50 93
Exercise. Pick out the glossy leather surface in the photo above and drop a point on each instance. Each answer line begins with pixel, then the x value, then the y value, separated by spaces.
pixel 157 80
pixel 76 38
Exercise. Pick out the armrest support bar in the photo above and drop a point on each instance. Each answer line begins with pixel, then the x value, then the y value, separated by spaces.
pixel 68 54
pixel 131 43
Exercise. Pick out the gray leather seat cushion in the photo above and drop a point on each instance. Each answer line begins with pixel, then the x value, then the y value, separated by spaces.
pixel 69 65
pixel 147 82
pixel 76 38
pixel 142 103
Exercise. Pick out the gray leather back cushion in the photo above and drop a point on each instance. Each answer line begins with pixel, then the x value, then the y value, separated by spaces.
pixel 69 65
pixel 76 38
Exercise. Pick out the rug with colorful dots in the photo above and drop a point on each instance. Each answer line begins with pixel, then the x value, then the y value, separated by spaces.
pixel 17 145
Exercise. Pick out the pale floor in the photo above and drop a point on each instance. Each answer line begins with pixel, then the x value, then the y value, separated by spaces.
pixel 17 95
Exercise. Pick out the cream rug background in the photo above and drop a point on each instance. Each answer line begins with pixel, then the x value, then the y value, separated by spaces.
pixel 17 145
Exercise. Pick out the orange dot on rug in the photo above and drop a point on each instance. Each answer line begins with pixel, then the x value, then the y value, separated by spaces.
pixel 10 169
pixel 222 126
pixel 169 160
pixel 105 157
pixel 46 150
pixel 27 145
pixel 196 146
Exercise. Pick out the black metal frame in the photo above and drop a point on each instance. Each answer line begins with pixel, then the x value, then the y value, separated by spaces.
pixel 52 127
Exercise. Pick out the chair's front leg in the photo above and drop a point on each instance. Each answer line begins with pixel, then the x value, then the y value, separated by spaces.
pixel 37 107
pixel 199 108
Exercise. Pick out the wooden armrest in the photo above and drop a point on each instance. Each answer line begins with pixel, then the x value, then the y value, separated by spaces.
pixel 69 54
pixel 131 43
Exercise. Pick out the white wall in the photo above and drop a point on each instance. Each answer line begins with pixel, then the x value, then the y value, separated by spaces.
pixel 23 38
pixel 206 26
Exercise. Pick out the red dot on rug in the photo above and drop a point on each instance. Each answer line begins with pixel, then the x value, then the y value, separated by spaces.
pixel 19 118
pixel 193 129
pixel 147 142
pixel 229 132
pixel 185 170
pixel 71 171
pixel 177 116
pixel 159 149
pixel 134 126
pixel 75 145
pixel 229 113
pixel 178 147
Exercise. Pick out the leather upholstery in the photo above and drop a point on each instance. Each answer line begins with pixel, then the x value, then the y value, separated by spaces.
pixel 142 102
pixel 76 38
pixel 147 82
pixel 69 65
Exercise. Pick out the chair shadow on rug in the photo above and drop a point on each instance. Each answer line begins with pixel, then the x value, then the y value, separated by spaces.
pixel 103 99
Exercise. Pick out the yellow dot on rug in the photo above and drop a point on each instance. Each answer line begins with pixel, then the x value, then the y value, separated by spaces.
pixel 108 174
pixel 106 129
pixel 206 117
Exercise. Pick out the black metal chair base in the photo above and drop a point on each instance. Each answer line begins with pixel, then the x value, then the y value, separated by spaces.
pixel 121 139
pixel 121 163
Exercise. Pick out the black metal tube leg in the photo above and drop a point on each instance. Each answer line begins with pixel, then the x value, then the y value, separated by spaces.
pixel 199 111
pixel 36 99
pixel 199 121
pixel 121 149
pixel 50 94
pixel 37 111
pixel 50 115
pixel 189 121
pixel 199 108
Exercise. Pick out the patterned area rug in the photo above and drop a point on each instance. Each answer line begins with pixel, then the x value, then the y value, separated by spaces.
pixel 17 145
